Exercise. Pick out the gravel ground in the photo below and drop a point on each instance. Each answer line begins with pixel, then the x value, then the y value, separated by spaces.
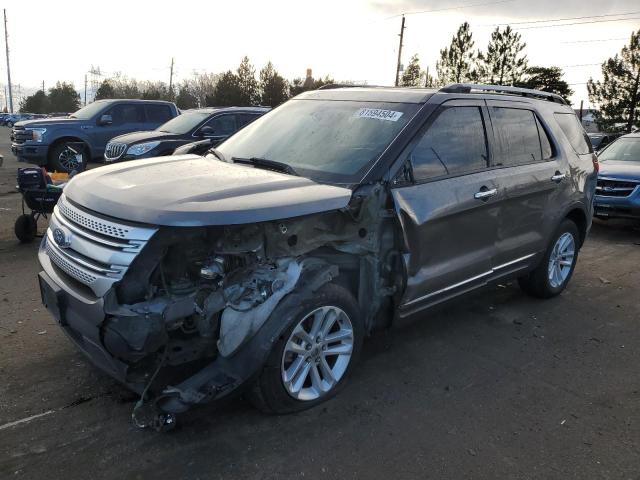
pixel 496 385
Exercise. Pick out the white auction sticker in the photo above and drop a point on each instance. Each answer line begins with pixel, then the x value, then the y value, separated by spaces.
pixel 388 115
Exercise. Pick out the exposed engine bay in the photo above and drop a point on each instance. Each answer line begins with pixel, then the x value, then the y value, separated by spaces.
pixel 198 298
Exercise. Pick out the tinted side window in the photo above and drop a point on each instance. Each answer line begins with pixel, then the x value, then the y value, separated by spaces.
pixel 223 124
pixel 574 132
pixel 126 113
pixel 516 135
pixel 158 113
pixel 454 144
pixel 243 119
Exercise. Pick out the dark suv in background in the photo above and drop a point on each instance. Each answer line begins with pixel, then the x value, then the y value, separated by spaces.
pixel 211 125
pixel 266 263
pixel 66 144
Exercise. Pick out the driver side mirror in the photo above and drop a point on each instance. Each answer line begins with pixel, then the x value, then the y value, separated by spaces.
pixel 105 120
pixel 207 131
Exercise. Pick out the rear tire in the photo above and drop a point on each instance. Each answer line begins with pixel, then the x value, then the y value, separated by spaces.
pixel 331 304
pixel 553 273
pixel 26 228
pixel 63 159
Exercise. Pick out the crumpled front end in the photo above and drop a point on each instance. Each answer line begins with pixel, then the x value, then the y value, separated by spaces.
pixel 183 314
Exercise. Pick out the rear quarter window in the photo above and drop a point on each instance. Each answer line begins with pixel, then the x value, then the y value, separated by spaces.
pixel 158 113
pixel 572 129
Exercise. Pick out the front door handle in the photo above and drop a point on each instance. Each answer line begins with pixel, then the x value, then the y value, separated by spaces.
pixel 558 177
pixel 485 194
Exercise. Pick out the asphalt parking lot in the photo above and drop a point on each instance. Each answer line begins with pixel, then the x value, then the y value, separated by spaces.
pixel 494 386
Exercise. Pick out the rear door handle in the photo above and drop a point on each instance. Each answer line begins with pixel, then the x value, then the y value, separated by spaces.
pixel 558 177
pixel 484 194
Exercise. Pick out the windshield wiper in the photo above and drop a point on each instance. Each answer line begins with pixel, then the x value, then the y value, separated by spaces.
pixel 267 164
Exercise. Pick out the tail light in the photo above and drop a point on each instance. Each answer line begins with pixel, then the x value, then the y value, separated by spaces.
pixel 596 163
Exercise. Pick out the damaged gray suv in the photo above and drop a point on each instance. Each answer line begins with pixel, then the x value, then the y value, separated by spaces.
pixel 265 263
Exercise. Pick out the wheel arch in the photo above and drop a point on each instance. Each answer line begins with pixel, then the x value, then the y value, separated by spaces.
pixel 578 216
pixel 69 138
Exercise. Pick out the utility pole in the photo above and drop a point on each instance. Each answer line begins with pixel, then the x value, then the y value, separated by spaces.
pixel 426 78
pixel 402 27
pixel 581 105
pixel 6 42
pixel 171 79
pixel 42 85
pixel 85 89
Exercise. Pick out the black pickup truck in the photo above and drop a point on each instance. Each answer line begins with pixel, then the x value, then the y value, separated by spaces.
pixel 67 144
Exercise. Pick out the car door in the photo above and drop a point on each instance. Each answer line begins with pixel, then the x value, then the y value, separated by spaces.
pixel 447 208
pixel 125 118
pixel 529 174
pixel 222 127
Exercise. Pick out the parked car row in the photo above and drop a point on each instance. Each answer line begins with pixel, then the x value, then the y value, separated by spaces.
pixel 104 131
pixel 618 190
pixel 262 266
pixel 10 119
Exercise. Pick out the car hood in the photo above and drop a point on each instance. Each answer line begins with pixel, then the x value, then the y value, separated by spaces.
pixel 189 190
pixel 47 122
pixel 144 136
pixel 620 169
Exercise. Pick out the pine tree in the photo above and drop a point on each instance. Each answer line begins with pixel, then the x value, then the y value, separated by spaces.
pixel 275 89
pixel 186 97
pixel 248 84
pixel 36 103
pixel 412 76
pixel 457 61
pixel 63 98
pixel 503 63
pixel 227 92
pixel 105 90
pixel 618 94
pixel 547 79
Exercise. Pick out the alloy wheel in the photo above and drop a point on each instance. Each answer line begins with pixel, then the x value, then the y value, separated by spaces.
pixel 70 160
pixel 317 353
pixel 561 259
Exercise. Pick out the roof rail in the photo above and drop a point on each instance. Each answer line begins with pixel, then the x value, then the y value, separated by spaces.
pixel 523 92
pixel 346 85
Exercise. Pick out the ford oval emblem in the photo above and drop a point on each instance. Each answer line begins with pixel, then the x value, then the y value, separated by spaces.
pixel 60 238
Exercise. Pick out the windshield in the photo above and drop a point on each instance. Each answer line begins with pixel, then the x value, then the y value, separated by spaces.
pixel 88 112
pixel 325 140
pixel 625 149
pixel 184 123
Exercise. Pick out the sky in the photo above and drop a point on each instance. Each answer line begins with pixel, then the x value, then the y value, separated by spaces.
pixel 354 40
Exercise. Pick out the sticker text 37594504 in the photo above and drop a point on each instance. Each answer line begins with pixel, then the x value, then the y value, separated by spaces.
pixel 379 114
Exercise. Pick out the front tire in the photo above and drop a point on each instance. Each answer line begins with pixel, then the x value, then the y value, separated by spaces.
pixel 553 273
pixel 67 158
pixel 313 358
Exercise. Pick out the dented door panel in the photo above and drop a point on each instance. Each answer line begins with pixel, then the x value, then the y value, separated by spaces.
pixel 449 236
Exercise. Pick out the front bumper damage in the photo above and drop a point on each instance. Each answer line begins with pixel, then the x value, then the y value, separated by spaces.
pixel 183 315
pixel 243 346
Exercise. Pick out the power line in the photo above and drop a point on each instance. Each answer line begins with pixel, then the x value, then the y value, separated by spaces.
pixel 578 23
pixel 562 19
pixel 581 65
pixel 458 7
pixel 597 40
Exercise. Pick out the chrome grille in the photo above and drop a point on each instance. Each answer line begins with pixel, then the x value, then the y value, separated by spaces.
pixel 92 223
pixel 114 150
pixel 68 267
pixel 611 187
pixel 95 251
